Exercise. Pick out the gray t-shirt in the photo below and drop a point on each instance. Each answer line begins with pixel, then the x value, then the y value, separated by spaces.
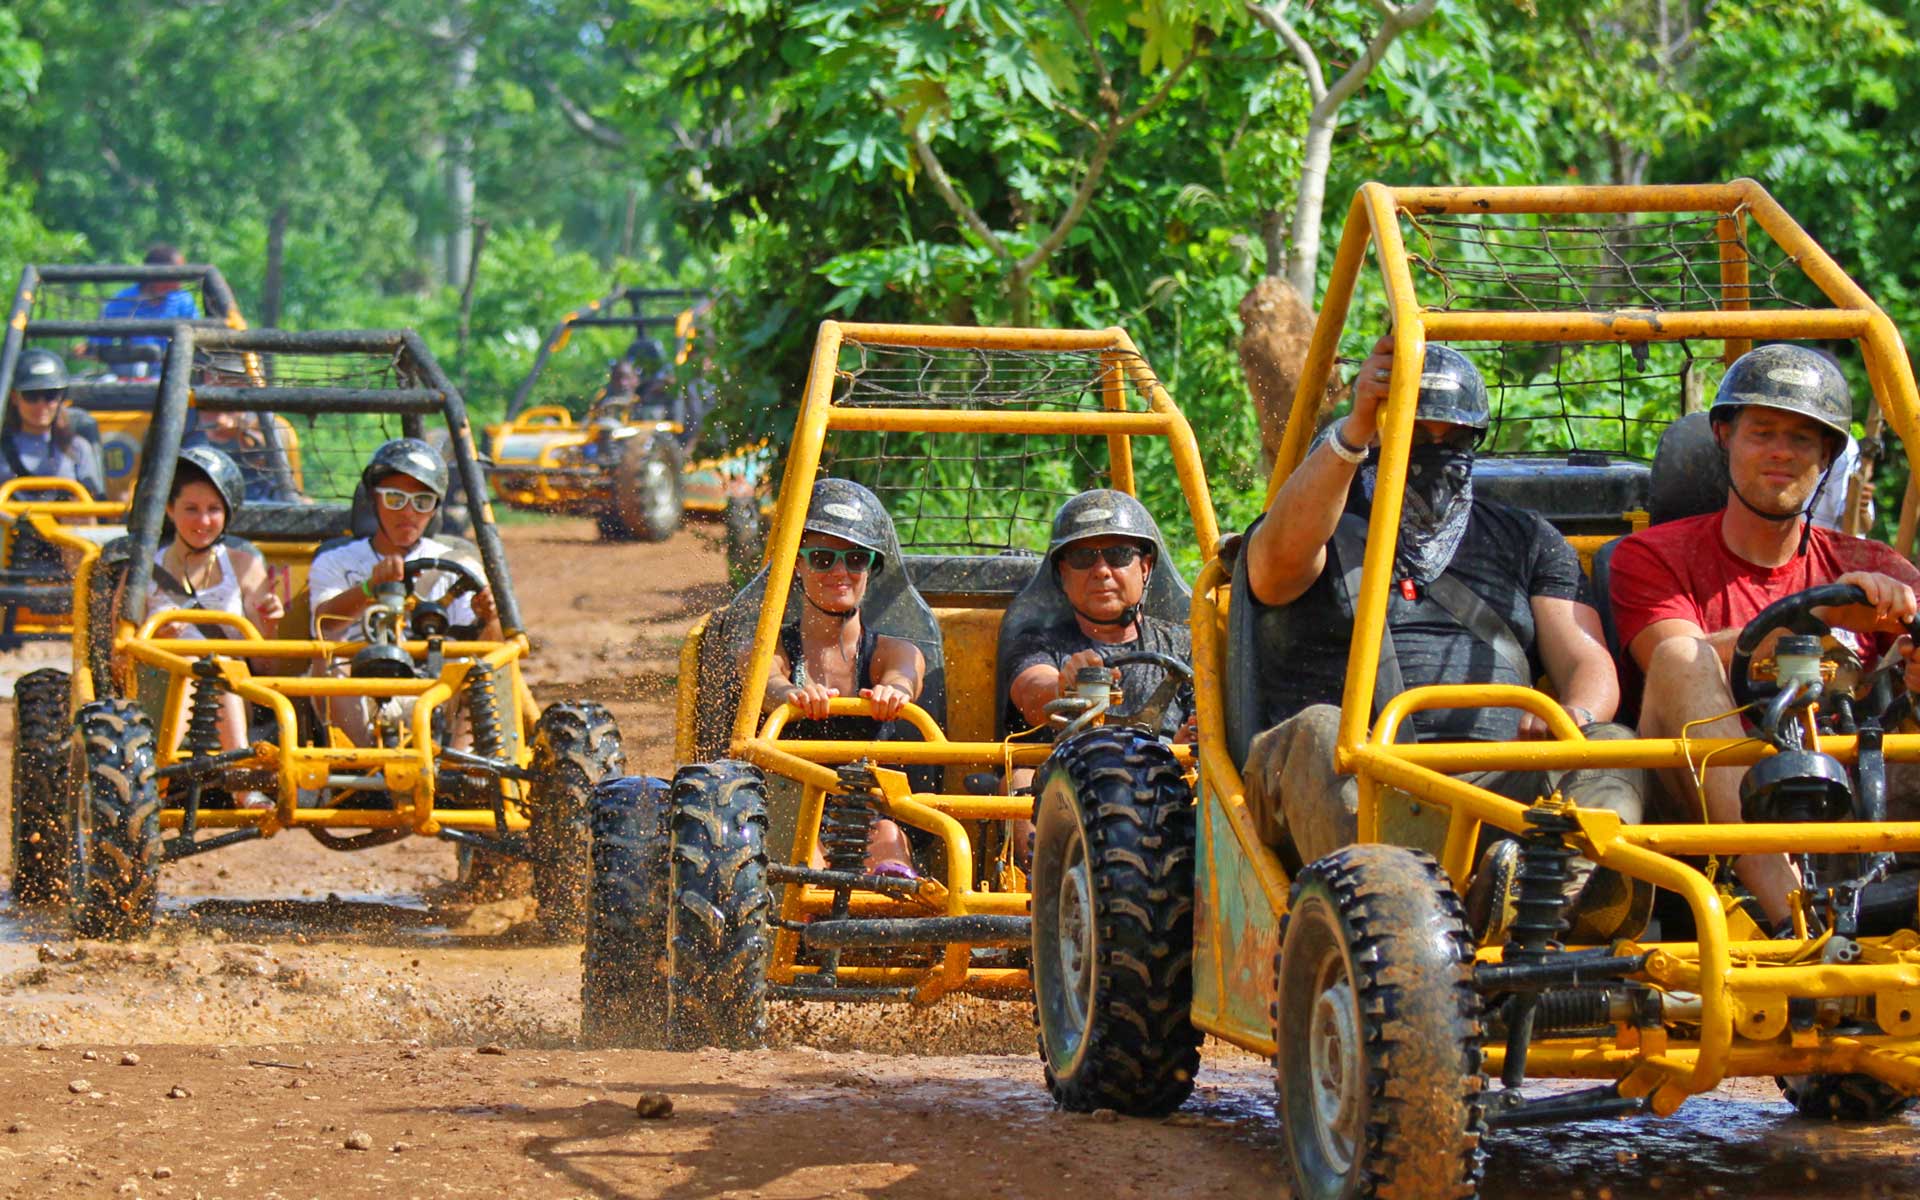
pixel 1055 644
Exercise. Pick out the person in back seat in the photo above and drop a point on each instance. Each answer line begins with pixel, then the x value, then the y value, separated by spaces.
pixel 1102 554
pixel 1683 591
pixel 36 437
pixel 830 653
pixel 1482 593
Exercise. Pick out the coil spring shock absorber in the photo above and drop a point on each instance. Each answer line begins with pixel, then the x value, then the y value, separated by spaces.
pixel 1538 918
pixel 846 820
pixel 203 710
pixel 483 709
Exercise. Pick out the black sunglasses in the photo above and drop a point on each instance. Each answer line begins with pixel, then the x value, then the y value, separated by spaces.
pixel 820 560
pixel 1082 558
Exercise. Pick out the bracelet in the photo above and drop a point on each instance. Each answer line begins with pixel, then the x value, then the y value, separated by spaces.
pixel 366 588
pixel 1345 453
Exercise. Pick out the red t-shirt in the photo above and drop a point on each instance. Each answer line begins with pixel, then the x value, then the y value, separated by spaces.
pixel 1683 570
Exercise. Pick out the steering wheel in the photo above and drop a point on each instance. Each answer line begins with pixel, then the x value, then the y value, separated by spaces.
pixel 467 579
pixel 1794 613
pixel 1152 713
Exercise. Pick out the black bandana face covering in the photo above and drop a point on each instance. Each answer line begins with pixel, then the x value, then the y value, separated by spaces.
pixel 1433 513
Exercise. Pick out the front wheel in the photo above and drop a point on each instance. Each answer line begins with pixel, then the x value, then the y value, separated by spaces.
pixel 115 814
pixel 648 492
pixel 40 846
pixel 576 745
pixel 1378 1030
pixel 717 919
pixel 1113 924
pixel 623 970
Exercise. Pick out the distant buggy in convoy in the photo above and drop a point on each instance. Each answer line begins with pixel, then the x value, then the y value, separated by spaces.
pixel 412 726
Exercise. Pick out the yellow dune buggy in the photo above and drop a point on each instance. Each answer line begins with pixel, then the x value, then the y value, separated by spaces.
pixel 457 747
pixel 705 903
pixel 1596 316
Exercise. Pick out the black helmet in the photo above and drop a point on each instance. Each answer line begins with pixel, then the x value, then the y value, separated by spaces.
pixel 411 457
pixel 217 469
pixel 1102 512
pixel 1790 378
pixel 1451 390
pixel 39 371
pixel 842 508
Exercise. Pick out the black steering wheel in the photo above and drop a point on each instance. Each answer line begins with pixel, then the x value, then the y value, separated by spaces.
pixel 467 579
pixel 1176 675
pixel 1793 613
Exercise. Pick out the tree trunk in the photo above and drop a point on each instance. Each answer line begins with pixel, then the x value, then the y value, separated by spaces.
pixel 276 263
pixel 459 169
pixel 479 240
pixel 1303 258
pixel 1276 330
pixel 626 228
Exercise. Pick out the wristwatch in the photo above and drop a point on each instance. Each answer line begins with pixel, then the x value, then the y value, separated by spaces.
pixel 1345 453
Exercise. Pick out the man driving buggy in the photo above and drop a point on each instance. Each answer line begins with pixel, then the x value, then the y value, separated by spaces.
pixel 1683 591
pixel 1482 593
pixel 1103 552
pixel 406 481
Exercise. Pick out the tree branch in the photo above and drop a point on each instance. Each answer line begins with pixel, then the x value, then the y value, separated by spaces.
pixel 1393 23
pixel 942 184
pixel 583 121
pixel 1154 101
pixel 1275 19
pixel 1082 195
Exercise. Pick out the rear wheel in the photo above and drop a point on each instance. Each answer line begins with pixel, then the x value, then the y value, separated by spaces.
pixel 115 830
pixel 1853 1097
pixel 40 845
pixel 647 489
pixel 623 978
pixel 717 920
pixel 1113 924
pixel 576 745
pixel 1378 1030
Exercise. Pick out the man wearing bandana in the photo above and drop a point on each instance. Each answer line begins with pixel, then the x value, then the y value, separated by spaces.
pixel 1482 593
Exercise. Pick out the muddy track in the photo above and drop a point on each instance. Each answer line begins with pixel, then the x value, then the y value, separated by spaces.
pixel 293 997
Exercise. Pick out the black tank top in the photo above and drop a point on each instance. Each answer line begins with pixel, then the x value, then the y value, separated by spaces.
pixel 833 729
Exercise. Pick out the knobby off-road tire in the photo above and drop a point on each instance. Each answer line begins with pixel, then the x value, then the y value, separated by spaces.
pixel 623 977
pixel 1113 924
pixel 1852 1097
pixel 115 865
pixel 718 919
pixel 746 540
pixel 648 491
pixel 39 836
pixel 575 746
pixel 1378 1030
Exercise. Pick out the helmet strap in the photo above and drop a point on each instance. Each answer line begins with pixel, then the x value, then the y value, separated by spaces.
pixel 1127 616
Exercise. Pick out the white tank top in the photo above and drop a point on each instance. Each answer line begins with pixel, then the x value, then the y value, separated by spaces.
pixel 223 595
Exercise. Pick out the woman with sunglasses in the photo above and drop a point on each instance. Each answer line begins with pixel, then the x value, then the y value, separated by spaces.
pixel 406 479
pixel 36 437
pixel 829 652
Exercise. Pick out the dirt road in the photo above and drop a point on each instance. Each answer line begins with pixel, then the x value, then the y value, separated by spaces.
pixel 294 998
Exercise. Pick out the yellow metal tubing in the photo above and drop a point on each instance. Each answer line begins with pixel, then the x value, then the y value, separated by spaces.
pixel 1649 326
pixel 942 420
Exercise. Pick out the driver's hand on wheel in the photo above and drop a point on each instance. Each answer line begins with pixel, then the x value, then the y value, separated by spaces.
pixel 886 699
pixel 811 699
pixel 1890 605
pixel 484 609
pixel 1911 676
pixel 1070 670
pixel 390 569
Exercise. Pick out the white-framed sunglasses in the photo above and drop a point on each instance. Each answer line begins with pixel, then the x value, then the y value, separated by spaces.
pixel 394 499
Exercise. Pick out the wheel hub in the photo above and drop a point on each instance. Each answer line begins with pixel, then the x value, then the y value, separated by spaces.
pixel 1335 1072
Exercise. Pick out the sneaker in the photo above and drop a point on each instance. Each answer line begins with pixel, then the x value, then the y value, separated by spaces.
pixel 1492 895
pixel 256 800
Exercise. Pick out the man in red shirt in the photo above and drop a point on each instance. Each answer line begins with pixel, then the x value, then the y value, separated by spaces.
pixel 1682 591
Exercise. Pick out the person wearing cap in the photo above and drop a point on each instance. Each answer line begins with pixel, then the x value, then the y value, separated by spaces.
pixel 1682 591
pixel 36 437
pixel 200 569
pixel 828 652
pixel 406 480
pixel 1104 550
pixel 152 300
pixel 1482 593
